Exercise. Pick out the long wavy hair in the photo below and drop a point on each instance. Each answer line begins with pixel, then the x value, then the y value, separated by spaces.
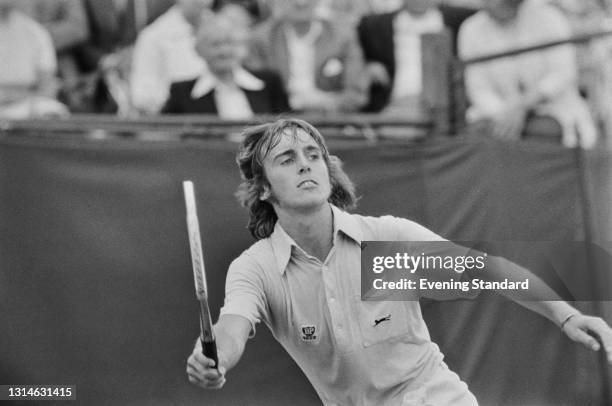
pixel 258 141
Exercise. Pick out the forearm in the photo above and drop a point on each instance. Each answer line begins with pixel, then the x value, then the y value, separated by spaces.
pixel 229 348
pixel 231 334
pixel 539 298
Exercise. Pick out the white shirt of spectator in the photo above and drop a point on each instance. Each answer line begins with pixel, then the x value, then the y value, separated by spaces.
pixel 164 53
pixel 408 28
pixel 230 99
pixel 301 50
pixel 26 49
pixel 493 86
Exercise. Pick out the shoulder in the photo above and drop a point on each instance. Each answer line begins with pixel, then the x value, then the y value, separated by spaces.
pixel 258 258
pixel 538 10
pixel 28 24
pixel 475 22
pixel 391 228
pixel 163 24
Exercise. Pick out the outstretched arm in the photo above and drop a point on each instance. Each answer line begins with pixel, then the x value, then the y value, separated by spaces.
pixel 577 326
pixel 231 334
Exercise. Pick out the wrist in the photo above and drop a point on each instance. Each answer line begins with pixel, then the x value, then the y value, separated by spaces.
pixel 567 318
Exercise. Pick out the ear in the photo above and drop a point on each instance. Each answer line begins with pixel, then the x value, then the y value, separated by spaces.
pixel 265 195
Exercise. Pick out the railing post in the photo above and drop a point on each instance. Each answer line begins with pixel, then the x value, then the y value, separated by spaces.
pixel 437 57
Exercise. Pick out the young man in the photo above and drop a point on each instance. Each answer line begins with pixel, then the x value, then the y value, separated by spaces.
pixel 302 278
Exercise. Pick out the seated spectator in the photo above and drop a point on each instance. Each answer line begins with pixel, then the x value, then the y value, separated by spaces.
pixel 227 89
pixel 594 57
pixel 530 94
pixel 319 60
pixel 105 59
pixel 165 53
pixel 391 43
pixel 66 22
pixel 27 73
pixel 392 49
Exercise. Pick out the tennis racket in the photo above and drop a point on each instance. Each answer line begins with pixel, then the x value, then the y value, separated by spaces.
pixel 207 336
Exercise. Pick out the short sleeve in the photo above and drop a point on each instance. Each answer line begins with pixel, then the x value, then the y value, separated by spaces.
pixel 428 243
pixel 244 291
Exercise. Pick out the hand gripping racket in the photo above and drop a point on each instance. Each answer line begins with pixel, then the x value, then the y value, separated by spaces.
pixel 207 336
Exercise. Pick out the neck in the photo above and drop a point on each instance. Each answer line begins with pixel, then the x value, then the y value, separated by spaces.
pixel 312 230
pixel 225 76
pixel 301 27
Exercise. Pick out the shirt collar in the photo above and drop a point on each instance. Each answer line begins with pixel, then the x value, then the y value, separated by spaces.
pixel 283 244
pixel 242 78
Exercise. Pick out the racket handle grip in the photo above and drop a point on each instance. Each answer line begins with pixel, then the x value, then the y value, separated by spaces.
pixel 209 349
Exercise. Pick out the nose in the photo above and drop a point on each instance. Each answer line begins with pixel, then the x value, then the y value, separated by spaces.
pixel 304 168
pixel 304 165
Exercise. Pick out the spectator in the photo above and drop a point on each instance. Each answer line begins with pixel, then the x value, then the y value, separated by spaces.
pixel 66 22
pixel 106 57
pixel 392 48
pixel 227 89
pixel 594 57
pixel 27 74
pixel 530 94
pixel 165 53
pixel 320 61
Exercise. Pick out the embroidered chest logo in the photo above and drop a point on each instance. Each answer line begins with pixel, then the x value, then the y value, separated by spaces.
pixel 378 321
pixel 309 333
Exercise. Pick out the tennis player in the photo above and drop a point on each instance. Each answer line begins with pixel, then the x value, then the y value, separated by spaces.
pixel 302 279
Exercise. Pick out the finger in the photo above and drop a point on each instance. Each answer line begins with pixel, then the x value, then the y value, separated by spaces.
pixel 585 339
pixel 209 375
pixel 604 332
pixel 207 379
pixel 204 360
pixel 219 385
pixel 196 366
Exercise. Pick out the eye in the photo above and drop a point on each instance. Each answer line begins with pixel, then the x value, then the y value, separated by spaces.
pixel 286 161
pixel 314 156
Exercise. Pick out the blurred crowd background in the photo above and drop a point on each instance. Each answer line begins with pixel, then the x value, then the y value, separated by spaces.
pixel 240 58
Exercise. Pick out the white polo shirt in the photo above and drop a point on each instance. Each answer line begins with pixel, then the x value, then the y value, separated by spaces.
pixel 315 311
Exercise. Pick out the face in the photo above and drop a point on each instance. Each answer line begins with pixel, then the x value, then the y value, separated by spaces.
pixel 418 7
pixel 297 173
pixel 298 10
pixel 221 47
pixel 502 11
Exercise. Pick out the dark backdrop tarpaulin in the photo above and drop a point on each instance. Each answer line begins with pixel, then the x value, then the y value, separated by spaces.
pixel 96 287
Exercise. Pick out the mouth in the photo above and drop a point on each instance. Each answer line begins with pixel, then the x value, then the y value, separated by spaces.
pixel 307 183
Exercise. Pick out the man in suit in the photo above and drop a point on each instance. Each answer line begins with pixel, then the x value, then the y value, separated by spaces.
pixel 392 49
pixel 319 60
pixel 226 88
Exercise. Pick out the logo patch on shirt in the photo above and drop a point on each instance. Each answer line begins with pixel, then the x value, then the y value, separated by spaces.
pixel 378 321
pixel 309 333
